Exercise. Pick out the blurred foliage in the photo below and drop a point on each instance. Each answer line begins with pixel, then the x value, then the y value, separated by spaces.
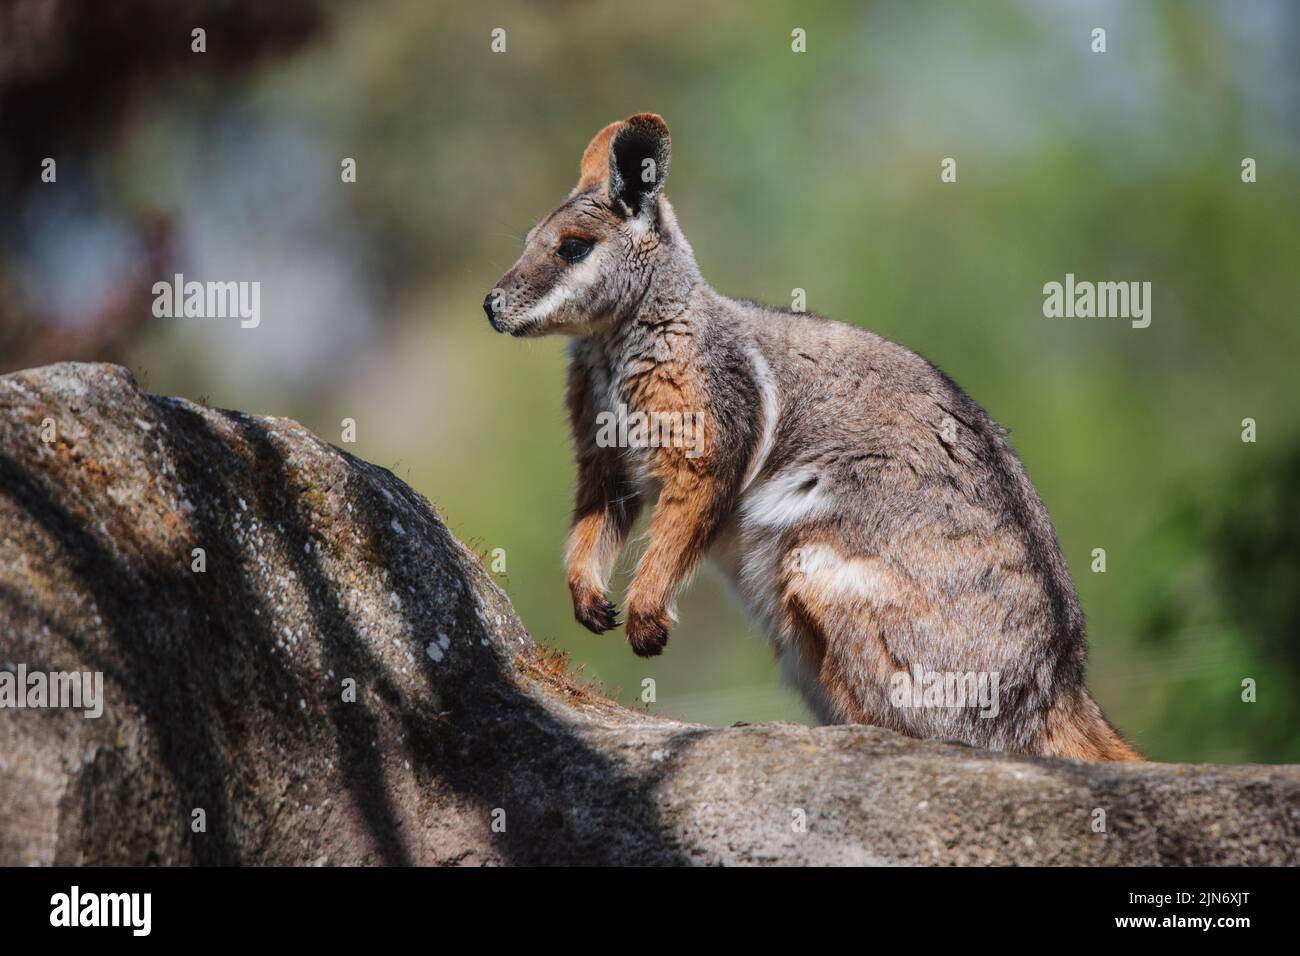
pixel 819 171
pixel 1235 582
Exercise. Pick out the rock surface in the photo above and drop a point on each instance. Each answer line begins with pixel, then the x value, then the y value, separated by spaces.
pixel 224 691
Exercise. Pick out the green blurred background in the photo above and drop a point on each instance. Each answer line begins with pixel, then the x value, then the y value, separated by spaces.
pixel 817 170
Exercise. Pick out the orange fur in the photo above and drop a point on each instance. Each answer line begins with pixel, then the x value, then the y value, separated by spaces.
pixel 690 504
pixel 1075 729
pixel 595 159
pixel 584 544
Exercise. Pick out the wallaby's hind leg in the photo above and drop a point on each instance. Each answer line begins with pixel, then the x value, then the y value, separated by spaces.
pixel 850 626
pixel 836 615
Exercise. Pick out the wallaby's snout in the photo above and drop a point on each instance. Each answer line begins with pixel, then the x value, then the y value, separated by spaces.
pixel 507 303
pixel 533 284
pixel 494 306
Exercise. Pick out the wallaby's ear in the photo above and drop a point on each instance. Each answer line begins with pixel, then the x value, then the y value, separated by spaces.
pixel 639 149
pixel 595 159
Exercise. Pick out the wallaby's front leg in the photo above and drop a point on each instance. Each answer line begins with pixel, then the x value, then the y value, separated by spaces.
pixel 690 509
pixel 603 511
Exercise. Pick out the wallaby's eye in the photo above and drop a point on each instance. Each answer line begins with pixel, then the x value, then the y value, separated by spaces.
pixel 573 249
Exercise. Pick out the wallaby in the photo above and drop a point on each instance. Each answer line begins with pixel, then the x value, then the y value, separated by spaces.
pixel 872 516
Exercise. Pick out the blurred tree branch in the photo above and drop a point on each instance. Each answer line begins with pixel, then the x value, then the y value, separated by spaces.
pixel 72 76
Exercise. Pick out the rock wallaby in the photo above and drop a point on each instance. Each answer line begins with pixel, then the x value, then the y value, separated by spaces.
pixel 871 515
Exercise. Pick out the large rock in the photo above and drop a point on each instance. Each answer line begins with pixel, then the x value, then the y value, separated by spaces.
pixel 224 691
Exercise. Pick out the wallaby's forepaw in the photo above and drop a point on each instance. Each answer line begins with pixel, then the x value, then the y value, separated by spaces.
pixel 595 612
pixel 647 633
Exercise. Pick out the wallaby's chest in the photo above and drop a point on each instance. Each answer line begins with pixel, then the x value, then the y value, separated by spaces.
pixel 625 419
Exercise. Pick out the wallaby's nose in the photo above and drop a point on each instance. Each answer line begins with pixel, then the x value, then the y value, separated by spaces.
pixel 492 305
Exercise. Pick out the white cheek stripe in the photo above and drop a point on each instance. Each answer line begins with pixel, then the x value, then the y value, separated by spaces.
pixel 558 295
pixel 573 282
pixel 770 409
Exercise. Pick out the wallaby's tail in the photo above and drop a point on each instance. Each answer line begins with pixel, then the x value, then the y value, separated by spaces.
pixel 1076 729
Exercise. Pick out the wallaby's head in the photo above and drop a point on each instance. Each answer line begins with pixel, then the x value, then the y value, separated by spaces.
pixel 592 260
